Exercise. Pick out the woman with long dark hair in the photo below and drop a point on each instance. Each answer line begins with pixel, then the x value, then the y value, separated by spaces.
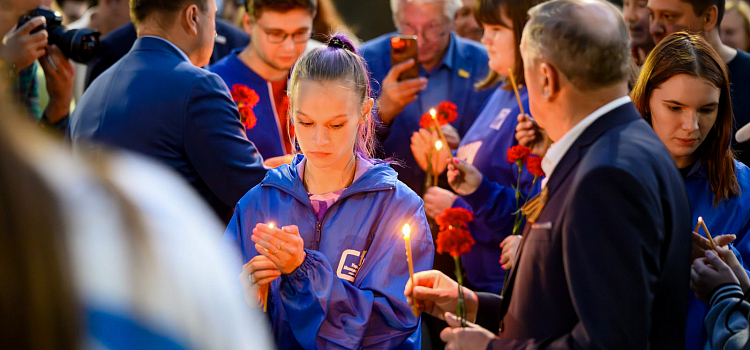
pixel 683 92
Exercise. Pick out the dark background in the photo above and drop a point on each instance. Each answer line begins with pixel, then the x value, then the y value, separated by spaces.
pixel 367 18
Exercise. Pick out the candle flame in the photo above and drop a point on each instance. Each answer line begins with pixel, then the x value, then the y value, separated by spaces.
pixel 271 225
pixel 700 219
pixel 406 230
pixel 433 113
pixel 438 145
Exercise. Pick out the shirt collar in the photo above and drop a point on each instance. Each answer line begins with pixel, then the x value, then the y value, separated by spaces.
pixel 558 149
pixel 182 53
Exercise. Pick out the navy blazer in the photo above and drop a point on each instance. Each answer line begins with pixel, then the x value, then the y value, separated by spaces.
pixel 118 43
pixel 470 66
pixel 156 103
pixel 607 263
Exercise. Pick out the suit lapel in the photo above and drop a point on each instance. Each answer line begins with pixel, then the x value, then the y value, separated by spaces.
pixel 620 115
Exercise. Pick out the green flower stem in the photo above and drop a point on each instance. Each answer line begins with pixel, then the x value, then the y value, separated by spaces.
pixel 461 308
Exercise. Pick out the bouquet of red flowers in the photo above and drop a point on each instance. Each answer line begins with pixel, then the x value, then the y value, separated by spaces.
pixel 455 239
pixel 446 112
pixel 246 99
pixel 521 155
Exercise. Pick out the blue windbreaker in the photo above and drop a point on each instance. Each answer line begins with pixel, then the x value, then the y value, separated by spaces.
pixel 485 146
pixel 731 216
pixel 335 300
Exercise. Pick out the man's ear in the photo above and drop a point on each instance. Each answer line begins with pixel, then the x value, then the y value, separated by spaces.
pixel 550 80
pixel 190 18
pixel 247 23
pixel 710 18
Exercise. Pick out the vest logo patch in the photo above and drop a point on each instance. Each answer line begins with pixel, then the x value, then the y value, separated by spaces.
pixel 348 265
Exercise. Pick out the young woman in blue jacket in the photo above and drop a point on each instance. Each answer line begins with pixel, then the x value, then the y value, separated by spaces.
pixel 335 258
pixel 485 145
pixel 683 92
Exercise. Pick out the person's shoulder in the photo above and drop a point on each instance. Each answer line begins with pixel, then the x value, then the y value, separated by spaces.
pixel 739 67
pixel 224 65
pixel 743 175
pixel 231 33
pixel 122 34
pixel 470 46
pixel 377 46
pixel 631 146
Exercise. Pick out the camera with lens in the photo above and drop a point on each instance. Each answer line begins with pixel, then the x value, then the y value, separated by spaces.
pixel 80 45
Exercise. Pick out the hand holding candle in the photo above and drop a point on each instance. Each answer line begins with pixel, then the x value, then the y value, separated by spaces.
pixel 701 244
pixel 438 147
pixel 433 114
pixel 407 238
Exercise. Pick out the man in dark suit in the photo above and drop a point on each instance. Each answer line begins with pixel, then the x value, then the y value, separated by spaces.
pixel 156 101
pixel 117 43
pixel 605 264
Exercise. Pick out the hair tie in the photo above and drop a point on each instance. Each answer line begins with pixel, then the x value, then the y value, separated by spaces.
pixel 340 44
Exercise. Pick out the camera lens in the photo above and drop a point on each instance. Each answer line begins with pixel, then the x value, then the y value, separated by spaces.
pixel 80 45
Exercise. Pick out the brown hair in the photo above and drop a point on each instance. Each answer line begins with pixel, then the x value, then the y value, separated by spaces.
pixel 142 9
pixel 255 8
pixel 684 53
pixel 489 12
pixel 38 303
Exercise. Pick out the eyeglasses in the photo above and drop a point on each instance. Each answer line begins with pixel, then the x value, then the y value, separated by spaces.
pixel 431 32
pixel 276 36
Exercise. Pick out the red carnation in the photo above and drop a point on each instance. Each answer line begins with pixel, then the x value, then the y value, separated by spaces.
pixel 426 121
pixel 246 99
pixel 458 217
pixel 454 241
pixel 518 154
pixel 447 112
pixel 454 238
pixel 247 117
pixel 534 165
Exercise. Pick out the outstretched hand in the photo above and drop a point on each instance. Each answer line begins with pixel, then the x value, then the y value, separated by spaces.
pixel 463 177
pixel 464 338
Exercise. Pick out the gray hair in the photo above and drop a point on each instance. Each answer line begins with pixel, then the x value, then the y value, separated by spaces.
pixel 450 7
pixel 586 47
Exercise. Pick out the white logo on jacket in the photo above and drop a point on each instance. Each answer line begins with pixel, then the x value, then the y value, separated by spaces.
pixel 348 265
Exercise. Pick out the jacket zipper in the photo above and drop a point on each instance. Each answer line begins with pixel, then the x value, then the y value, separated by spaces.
pixel 319 223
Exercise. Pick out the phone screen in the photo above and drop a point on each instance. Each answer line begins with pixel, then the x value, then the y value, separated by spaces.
pixel 403 48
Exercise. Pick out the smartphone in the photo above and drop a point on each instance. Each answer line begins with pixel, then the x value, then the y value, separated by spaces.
pixel 403 48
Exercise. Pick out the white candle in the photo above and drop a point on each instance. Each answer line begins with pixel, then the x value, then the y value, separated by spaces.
pixel 407 233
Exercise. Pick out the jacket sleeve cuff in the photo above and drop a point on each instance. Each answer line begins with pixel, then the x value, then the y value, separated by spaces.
pixel 301 271
pixel 460 202
pixel 481 195
pixel 488 311
pixel 725 291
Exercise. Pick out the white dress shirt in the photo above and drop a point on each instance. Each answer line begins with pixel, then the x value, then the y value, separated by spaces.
pixel 558 149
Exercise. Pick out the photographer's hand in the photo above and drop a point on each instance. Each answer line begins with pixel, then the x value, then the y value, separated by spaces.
pixel 60 76
pixel 22 48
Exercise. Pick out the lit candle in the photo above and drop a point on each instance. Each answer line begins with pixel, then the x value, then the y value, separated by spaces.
pixel 264 288
pixel 433 114
pixel 708 234
pixel 407 232
pixel 438 147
